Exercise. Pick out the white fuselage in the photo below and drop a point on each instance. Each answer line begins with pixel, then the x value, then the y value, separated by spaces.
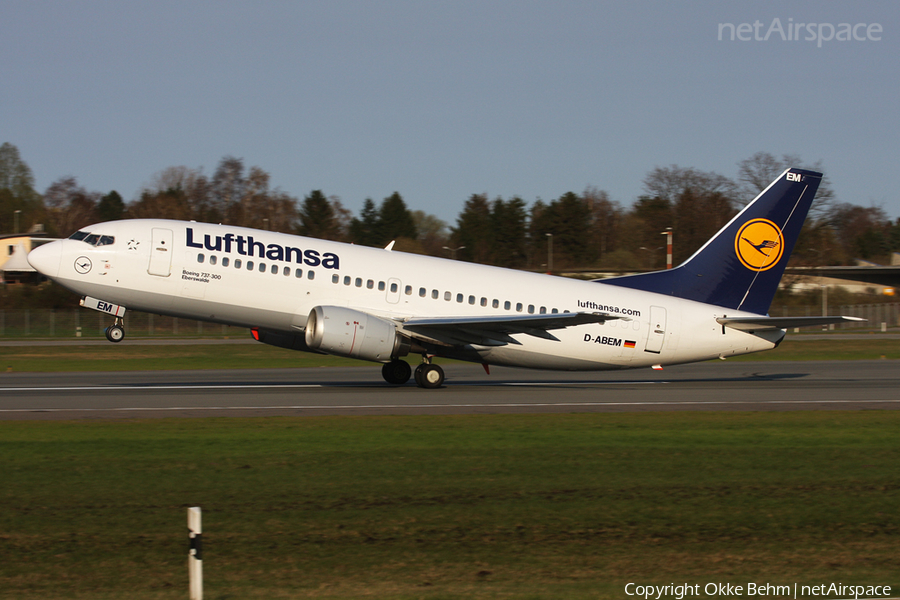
pixel 272 281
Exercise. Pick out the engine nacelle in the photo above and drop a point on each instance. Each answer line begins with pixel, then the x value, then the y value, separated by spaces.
pixel 291 341
pixel 347 332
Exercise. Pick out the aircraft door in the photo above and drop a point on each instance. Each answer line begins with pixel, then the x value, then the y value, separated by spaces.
pixel 393 290
pixel 161 252
pixel 656 333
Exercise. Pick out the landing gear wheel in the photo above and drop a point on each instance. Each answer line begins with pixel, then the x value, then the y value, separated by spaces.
pixel 396 372
pixel 115 333
pixel 429 376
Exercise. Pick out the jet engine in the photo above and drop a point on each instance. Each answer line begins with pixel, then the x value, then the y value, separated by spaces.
pixel 347 332
pixel 291 341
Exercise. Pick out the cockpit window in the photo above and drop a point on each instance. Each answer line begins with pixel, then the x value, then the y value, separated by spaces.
pixel 94 239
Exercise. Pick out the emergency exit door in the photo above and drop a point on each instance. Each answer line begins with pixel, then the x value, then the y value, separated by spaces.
pixel 656 334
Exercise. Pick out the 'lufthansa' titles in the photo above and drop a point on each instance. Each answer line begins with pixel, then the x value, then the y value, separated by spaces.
pixel 247 246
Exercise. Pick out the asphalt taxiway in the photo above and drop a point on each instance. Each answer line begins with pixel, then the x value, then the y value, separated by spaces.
pixel 748 386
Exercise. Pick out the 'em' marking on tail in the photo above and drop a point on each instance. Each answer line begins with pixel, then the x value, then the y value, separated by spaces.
pixel 758 234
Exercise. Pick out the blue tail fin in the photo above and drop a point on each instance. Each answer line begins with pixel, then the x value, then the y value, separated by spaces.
pixel 741 266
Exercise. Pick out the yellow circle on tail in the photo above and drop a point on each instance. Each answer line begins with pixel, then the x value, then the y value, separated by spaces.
pixel 759 244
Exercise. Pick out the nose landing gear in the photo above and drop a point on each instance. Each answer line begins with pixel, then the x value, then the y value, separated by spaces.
pixel 116 331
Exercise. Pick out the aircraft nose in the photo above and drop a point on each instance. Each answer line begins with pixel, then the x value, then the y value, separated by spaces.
pixel 45 259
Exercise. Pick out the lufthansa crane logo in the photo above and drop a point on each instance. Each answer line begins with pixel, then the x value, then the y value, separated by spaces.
pixel 83 265
pixel 759 244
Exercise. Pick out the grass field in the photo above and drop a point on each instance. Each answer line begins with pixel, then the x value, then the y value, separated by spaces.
pixel 504 506
pixel 125 357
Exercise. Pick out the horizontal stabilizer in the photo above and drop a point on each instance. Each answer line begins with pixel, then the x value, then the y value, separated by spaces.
pixel 759 323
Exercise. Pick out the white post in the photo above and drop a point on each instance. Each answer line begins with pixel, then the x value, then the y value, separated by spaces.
pixel 195 558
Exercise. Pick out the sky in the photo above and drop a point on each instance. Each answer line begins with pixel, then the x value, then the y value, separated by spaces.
pixel 439 100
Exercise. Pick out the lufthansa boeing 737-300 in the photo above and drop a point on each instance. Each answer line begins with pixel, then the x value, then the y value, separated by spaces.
pixel 378 305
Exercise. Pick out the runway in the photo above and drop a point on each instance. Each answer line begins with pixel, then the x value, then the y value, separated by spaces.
pixel 748 386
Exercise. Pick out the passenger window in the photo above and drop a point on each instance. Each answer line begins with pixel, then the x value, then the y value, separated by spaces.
pixel 421 292
pixel 359 282
pixel 346 280
pixel 237 263
pixel 200 258
pixel 435 294
pixel 518 307
pixel 370 284
pixel 447 296
pixel 262 267
pixel 484 301
pixel 543 310
pixel 249 265
pixel 471 299
pixel 335 278
pixel 459 297
pixel 287 271
pixel 506 305
pixel 394 288
pixel 531 309
pixel 555 311
pixel 310 275
pixel 408 290
pixel 495 303
pixel 381 286
pixel 212 260
pixel 274 270
pixel 225 262
pixel 298 273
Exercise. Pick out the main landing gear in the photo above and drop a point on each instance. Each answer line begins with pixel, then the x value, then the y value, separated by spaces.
pixel 396 372
pixel 428 375
pixel 116 331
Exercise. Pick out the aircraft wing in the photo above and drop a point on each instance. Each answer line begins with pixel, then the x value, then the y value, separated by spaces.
pixel 496 330
pixel 761 322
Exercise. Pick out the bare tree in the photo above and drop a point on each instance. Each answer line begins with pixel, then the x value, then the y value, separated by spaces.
pixel 70 206
pixel 187 185
pixel 606 216
pixel 18 196
pixel 432 232
pixel 667 183
pixel 228 188
pixel 342 216
pixel 699 204
pixel 761 169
